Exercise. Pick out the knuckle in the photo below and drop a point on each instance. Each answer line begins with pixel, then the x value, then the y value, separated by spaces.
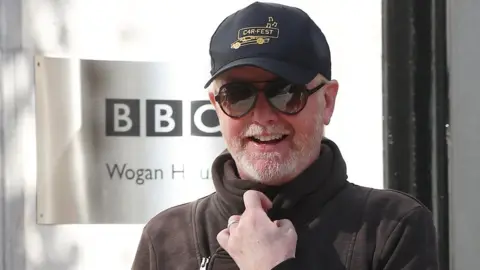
pixel 249 214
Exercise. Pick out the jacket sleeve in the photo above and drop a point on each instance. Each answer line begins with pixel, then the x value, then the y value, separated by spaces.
pixel 289 264
pixel 145 257
pixel 412 245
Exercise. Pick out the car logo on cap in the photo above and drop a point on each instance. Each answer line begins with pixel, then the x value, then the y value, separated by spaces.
pixel 256 35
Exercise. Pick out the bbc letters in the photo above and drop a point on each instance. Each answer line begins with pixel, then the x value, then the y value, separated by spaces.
pixel 163 118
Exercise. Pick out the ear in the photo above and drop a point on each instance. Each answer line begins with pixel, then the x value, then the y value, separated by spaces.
pixel 211 96
pixel 330 93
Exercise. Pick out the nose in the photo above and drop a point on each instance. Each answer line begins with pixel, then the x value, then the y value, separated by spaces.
pixel 263 113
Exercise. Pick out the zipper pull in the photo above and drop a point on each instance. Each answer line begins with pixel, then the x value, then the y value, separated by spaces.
pixel 204 263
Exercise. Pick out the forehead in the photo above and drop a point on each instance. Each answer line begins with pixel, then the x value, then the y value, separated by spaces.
pixel 247 73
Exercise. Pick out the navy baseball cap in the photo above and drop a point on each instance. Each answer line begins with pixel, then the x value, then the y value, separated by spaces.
pixel 281 39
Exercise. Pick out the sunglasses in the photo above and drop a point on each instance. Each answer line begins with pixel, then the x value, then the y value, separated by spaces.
pixel 237 99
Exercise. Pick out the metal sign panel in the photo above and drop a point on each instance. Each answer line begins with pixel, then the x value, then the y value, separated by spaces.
pixel 118 142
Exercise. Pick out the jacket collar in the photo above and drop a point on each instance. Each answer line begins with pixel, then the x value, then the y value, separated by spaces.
pixel 295 200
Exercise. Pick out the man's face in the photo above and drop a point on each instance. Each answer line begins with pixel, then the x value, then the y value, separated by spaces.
pixel 267 145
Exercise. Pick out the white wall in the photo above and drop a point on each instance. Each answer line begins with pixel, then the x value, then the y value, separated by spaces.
pixel 163 31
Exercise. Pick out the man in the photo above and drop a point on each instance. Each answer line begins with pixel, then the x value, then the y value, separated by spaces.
pixel 282 198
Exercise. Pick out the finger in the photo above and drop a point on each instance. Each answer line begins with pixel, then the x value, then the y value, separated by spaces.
pixel 233 221
pixel 222 238
pixel 256 200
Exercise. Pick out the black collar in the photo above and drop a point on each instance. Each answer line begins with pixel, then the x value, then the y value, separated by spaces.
pixel 295 200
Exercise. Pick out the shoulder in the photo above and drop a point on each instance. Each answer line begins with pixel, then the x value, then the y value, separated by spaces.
pixel 177 219
pixel 387 211
pixel 386 203
pixel 394 205
pixel 384 209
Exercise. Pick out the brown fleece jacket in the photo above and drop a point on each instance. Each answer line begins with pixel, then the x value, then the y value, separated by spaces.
pixel 340 225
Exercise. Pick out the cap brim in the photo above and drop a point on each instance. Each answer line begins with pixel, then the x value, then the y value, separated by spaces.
pixel 288 71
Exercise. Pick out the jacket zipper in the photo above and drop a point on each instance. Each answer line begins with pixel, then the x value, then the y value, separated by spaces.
pixel 204 263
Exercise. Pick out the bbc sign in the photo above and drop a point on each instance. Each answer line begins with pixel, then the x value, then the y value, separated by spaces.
pixel 136 142
pixel 162 118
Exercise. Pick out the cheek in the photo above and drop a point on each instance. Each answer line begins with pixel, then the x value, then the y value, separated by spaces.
pixel 304 129
pixel 231 128
pixel 308 122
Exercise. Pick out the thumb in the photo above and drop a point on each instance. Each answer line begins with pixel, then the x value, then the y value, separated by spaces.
pixel 256 199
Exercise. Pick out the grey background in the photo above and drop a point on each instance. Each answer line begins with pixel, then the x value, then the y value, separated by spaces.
pixel 464 67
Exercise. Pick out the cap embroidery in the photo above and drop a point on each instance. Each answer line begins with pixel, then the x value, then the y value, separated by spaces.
pixel 256 35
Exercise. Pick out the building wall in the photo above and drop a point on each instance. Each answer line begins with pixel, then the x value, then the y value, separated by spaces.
pixel 464 65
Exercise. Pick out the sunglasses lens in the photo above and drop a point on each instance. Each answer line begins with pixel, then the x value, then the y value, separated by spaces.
pixel 287 98
pixel 236 99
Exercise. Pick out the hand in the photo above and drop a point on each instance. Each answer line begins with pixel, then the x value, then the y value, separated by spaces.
pixel 255 242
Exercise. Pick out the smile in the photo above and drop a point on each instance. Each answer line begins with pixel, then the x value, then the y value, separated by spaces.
pixel 270 139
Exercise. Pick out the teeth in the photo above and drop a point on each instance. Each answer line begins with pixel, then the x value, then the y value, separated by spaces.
pixel 268 138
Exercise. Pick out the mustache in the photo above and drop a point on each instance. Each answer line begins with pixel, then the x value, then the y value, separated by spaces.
pixel 256 130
